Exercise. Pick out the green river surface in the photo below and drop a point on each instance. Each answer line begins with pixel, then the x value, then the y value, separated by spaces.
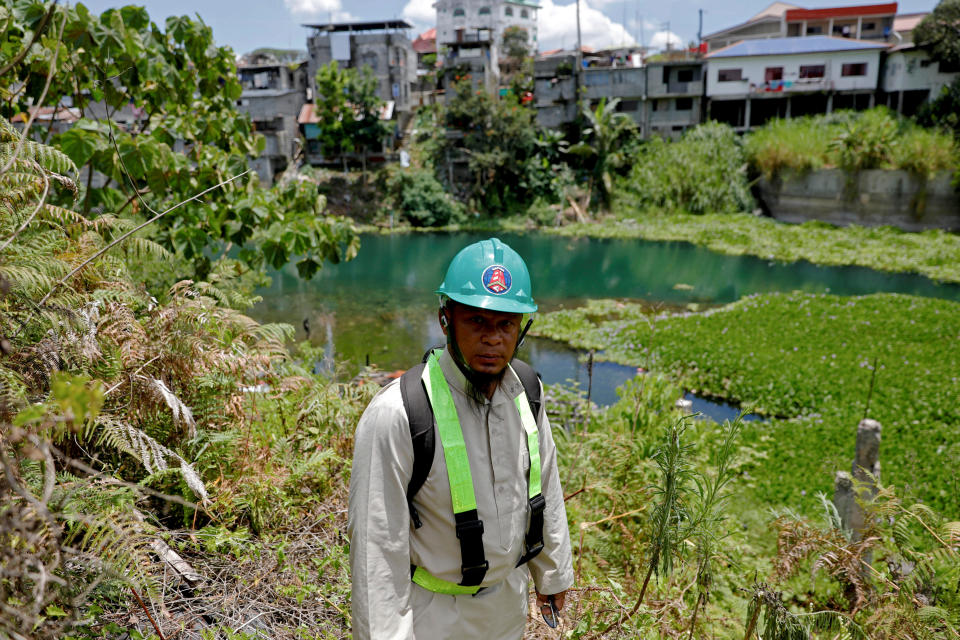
pixel 380 307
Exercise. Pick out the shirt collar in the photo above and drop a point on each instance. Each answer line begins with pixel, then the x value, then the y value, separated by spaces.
pixel 509 388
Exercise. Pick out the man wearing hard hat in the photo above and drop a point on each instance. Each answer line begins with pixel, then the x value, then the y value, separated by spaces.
pixel 455 499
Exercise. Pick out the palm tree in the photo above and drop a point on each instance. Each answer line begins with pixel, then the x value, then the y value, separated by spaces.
pixel 604 140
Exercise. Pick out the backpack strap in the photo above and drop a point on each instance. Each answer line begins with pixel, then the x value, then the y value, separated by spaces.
pixel 420 415
pixel 530 380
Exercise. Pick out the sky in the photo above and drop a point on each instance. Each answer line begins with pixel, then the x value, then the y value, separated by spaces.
pixel 246 25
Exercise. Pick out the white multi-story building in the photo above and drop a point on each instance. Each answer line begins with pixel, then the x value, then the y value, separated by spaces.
pixel 755 80
pixel 911 77
pixel 457 18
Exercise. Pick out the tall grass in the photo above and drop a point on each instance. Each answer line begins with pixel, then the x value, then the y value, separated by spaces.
pixel 873 139
pixel 798 144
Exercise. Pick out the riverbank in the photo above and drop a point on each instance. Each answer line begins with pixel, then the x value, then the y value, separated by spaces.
pixel 934 254
pixel 807 360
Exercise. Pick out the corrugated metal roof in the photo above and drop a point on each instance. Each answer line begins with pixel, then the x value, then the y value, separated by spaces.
pixel 790 46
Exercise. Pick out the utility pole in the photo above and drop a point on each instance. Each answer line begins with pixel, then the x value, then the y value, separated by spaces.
pixel 700 29
pixel 578 60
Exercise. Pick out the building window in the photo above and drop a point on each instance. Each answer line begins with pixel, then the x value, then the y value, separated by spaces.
pixel 458 13
pixel 684 104
pixel 854 69
pixel 812 71
pixel 729 75
pixel 628 105
pixel 654 105
pixel 868 26
pixel 772 74
pixel 508 11
pixel 946 67
pixel 484 11
pixel 685 75
pixel 524 13
pixel 814 31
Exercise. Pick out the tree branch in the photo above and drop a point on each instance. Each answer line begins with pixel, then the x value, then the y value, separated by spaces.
pixel 83 264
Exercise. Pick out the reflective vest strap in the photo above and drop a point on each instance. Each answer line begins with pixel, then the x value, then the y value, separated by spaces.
pixel 451 437
pixel 423 578
pixel 473 562
pixel 533 444
pixel 534 538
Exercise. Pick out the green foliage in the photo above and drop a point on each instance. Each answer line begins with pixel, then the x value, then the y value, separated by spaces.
pixel 807 358
pixel 704 172
pixel 944 110
pixel 499 140
pixel 421 199
pixel 867 142
pixel 873 139
pixel 606 140
pixel 939 31
pixel 348 108
pixel 185 136
pixel 932 253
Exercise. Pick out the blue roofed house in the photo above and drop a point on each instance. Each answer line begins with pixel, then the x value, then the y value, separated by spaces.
pixel 753 81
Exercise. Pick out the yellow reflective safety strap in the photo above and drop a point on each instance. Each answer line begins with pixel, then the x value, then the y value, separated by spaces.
pixel 533 443
pixel 423 578
pixel 451 437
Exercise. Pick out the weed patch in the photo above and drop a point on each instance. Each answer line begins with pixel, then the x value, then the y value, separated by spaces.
pixel 807 360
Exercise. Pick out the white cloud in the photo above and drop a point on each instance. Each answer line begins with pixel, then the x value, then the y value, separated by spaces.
pixel 558 27
pixel 312 7
pixel 661 38
pixel 420 12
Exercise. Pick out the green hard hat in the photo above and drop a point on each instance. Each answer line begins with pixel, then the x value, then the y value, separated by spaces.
pixel 489 275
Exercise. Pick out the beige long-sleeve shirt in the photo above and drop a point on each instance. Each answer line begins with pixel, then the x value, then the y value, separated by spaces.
pixel 383 542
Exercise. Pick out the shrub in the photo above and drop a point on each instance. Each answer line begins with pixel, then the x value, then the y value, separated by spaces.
pixel 421 199
pixel 873 139
pixel 788 144
pixel 703 172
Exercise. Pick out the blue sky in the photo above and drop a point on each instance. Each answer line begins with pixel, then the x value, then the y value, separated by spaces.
pixel 246 25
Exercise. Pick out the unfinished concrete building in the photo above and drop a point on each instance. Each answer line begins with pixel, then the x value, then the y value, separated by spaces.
pixel 384 46
pixel 273 93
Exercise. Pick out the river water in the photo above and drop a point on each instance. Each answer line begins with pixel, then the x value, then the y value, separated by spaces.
pixel 379 307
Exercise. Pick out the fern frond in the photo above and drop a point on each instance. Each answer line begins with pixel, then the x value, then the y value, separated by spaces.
pixel 50 158
pixel 27 280
pixel 144 248
pixel 182 415
pixel 151 454
pixel 63 217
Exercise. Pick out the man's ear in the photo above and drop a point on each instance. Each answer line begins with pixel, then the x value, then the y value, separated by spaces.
pixel 444 323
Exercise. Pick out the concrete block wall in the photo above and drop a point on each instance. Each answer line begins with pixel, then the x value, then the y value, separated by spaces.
pixel 871 198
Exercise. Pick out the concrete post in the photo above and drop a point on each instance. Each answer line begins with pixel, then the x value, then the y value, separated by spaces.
pixel 746 115
pixel 866 469
pixel 829 103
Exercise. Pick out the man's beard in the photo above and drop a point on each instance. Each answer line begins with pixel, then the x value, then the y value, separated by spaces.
pixel 478 381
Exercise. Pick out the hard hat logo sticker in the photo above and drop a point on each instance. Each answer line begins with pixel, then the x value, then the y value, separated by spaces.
pixel 496 279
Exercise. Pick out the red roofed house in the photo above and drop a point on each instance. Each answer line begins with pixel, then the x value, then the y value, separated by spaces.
pixel 783 20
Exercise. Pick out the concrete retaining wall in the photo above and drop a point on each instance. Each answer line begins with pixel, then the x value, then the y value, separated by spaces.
pixel 871 198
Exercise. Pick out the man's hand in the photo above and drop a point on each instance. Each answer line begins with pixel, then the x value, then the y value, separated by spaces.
pixel 558 599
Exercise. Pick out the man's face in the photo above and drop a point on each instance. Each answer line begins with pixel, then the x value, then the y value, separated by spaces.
pixel 487 339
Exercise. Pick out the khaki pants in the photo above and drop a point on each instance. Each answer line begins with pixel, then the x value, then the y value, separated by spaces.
pixel 496 613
